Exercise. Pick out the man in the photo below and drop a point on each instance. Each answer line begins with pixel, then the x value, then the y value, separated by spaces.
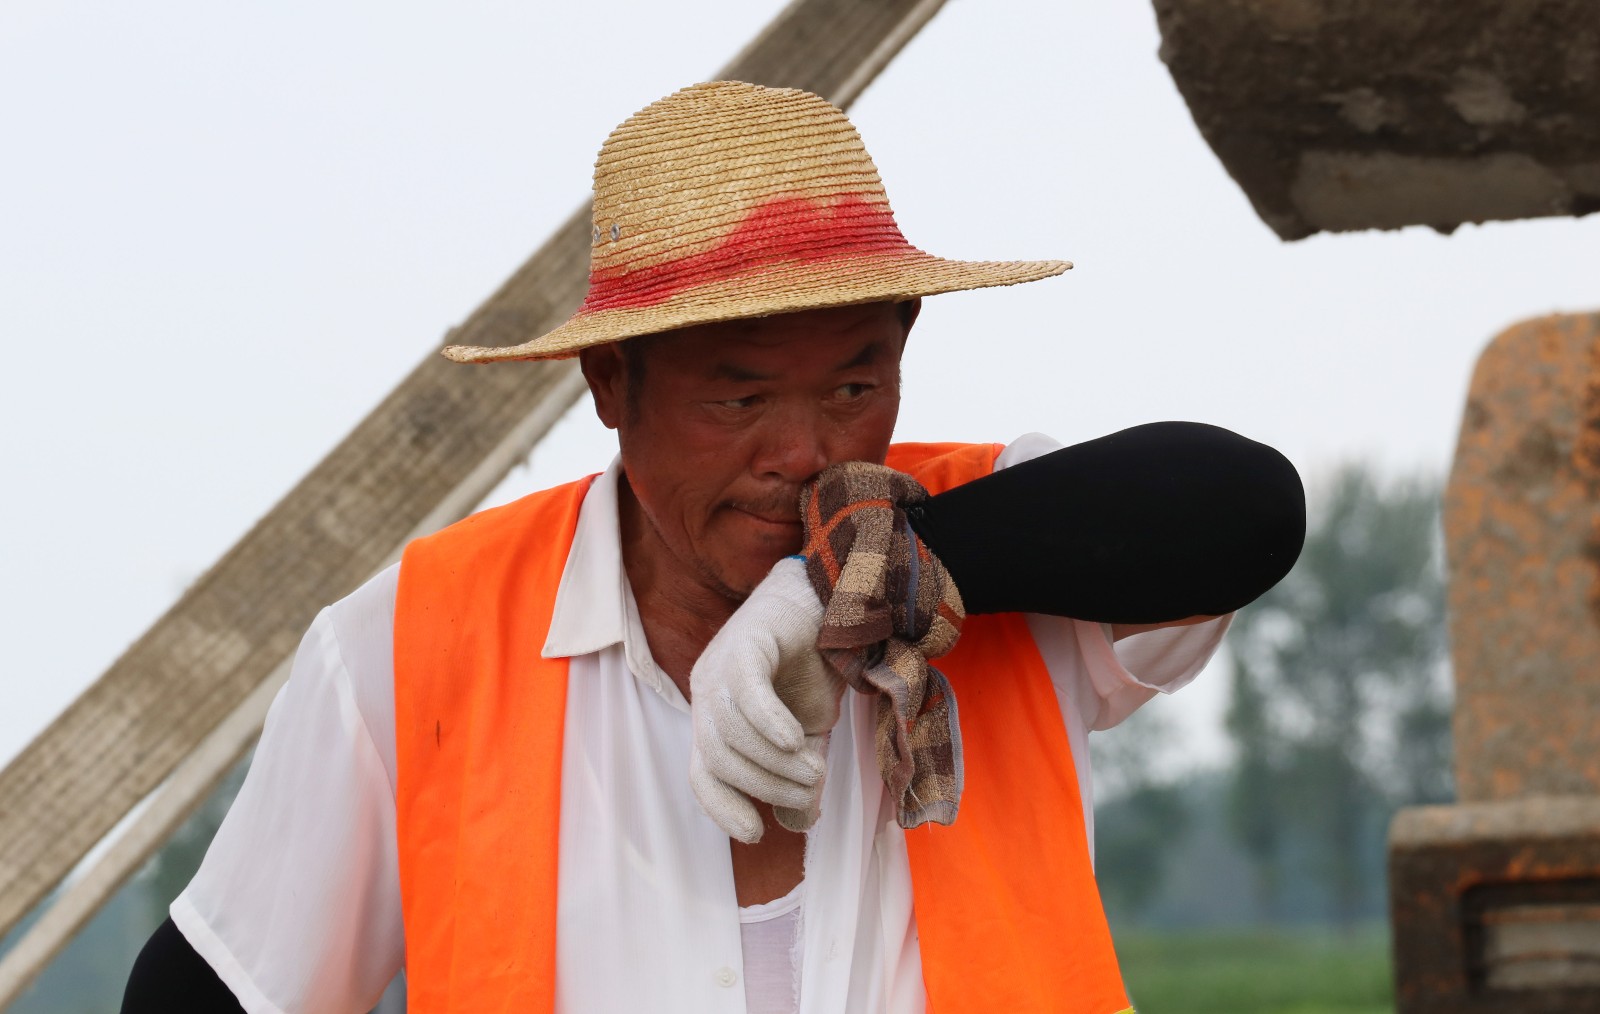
pixel 481 766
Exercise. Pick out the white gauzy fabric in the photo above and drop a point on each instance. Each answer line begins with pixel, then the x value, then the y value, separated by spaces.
pixel 297 907
pixel 770 934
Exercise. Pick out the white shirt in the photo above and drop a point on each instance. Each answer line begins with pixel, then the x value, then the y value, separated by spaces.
pixel 297 903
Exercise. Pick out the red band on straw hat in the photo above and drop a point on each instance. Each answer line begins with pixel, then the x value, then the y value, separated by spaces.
pixel 781 231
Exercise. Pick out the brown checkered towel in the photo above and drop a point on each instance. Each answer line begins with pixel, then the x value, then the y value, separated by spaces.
pixel 889 606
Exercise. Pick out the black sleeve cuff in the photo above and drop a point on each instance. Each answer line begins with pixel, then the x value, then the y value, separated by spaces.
pixel 170 978
pixel 1156 523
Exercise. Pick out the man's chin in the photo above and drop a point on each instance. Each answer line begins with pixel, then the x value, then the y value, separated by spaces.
pixel 743 578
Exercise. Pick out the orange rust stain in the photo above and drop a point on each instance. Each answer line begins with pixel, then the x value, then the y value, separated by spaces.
pixel 1586 449
pixel 1586 456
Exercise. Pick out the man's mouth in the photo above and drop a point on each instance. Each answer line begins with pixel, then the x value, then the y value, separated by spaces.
pixel 770 517
pixel 778 512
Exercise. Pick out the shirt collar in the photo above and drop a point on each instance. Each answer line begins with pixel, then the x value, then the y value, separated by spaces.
pixel 594 607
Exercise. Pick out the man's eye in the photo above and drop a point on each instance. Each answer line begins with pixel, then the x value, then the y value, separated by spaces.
pixel 850 392
pixel 737 403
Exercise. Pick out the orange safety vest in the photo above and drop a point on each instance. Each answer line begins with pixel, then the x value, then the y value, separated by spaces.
pixel 1007 910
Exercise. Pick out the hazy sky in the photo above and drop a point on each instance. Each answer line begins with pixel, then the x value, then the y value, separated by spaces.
pixel 227 230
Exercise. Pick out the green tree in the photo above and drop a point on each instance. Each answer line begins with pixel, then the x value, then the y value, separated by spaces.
pixel 1140 812
pixel 1255 816
pixel 1340 710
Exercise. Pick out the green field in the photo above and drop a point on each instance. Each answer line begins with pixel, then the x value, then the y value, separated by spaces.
pixel 1288 971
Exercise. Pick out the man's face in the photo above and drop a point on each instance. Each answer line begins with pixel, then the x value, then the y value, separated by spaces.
pixel 721 424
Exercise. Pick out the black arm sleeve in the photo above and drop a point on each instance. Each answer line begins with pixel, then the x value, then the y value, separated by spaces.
pixel 1156 523
pixel 170 978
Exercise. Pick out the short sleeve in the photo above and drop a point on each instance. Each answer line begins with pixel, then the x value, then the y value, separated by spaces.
pixel 296 905
pixel 1119 677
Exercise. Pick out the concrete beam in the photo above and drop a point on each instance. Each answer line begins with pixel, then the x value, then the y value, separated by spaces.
pixel 1340 115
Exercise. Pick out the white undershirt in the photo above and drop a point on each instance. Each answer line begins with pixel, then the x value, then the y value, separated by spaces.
pixel 297 903
pixel 773 951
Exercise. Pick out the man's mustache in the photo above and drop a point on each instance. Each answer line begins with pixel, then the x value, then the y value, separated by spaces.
pixel 779 506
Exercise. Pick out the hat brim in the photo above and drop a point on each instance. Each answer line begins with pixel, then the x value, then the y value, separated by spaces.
pixel 783 288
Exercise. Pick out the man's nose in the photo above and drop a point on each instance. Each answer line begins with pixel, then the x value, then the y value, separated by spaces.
pixel 793 447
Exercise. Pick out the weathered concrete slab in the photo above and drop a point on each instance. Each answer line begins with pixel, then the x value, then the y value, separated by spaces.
pixel 1496 907
pixel 1522 534
pixel 1337 115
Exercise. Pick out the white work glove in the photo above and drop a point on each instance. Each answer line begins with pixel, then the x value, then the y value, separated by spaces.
pixel 762 702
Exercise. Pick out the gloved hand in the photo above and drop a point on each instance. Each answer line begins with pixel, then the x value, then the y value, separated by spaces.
pixel 762 702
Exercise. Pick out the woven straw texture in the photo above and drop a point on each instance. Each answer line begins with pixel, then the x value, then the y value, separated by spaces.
pixel 728 200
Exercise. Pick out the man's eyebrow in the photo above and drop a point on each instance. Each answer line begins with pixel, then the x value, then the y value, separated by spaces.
pixel 866 357
pixel 737 374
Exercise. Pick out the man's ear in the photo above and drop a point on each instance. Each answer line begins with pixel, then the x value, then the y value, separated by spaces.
pixel 606 373
pixel 909 311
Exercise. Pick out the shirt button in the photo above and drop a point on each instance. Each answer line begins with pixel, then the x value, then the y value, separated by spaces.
pixel 725 977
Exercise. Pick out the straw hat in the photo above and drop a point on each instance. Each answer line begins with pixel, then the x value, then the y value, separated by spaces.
pixel 729 200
